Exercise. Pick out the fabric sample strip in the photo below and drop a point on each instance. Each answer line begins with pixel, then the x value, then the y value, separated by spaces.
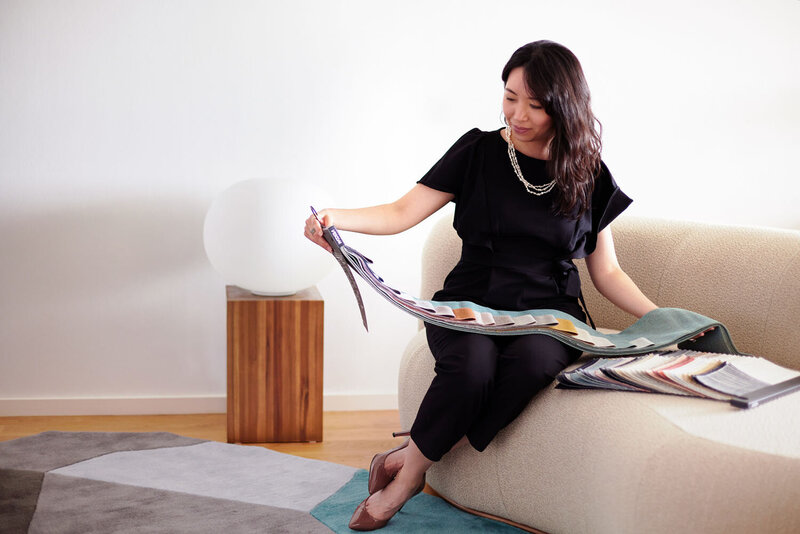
pixel 658 329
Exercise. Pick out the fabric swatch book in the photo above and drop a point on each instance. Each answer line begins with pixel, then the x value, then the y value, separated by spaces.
pixel 721 373
pixel 744 381
pixel 659 329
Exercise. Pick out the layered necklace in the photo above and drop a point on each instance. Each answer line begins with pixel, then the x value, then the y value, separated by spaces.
pixel 537 190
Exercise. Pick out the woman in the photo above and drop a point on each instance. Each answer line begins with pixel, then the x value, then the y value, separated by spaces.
pixel 529 198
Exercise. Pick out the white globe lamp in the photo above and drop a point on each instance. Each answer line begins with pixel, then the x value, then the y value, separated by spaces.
pixel 253 236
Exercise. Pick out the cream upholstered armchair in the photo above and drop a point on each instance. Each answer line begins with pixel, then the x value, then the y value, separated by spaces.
pixel 602 461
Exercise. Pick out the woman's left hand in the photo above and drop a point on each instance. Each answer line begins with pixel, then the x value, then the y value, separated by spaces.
pixel 701 334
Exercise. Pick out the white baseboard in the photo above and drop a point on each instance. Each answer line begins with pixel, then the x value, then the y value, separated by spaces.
pixel 168 405
pixel 112 406
pixel 349 403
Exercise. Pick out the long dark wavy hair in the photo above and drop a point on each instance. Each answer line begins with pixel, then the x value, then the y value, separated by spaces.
pixel 555 78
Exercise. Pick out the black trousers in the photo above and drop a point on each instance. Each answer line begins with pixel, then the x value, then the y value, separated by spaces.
pixel 482 383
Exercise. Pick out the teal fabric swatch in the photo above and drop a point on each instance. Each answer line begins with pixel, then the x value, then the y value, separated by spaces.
pixel 663 327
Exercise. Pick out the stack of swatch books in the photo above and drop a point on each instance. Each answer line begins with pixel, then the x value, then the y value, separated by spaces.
pixel 744 381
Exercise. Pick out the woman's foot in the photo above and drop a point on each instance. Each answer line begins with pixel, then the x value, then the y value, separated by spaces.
pixel 394 461
pixel 384 467
pixel 376 511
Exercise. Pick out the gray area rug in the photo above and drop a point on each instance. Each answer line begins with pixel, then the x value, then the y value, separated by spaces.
pixel 158 482
pixel 99 482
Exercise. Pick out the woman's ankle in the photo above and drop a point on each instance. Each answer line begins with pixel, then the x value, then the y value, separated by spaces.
pixel 394 462
pixel 386 502
pixel 409 478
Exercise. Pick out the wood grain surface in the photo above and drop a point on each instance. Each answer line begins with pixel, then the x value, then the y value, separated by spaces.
pixel 275 363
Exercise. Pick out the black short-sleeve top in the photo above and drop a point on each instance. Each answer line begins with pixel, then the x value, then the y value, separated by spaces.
pixel 516 250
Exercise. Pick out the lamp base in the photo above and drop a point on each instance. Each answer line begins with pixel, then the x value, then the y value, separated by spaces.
pixel 270 294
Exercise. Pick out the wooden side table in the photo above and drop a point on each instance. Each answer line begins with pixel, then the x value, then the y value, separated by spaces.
pixel 274 366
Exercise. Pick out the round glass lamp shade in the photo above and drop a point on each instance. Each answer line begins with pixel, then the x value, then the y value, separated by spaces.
pixel 253 236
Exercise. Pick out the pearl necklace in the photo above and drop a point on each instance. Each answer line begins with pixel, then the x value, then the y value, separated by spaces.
pixel 537 190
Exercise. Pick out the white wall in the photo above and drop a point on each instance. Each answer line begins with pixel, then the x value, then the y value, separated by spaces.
pixel 120 122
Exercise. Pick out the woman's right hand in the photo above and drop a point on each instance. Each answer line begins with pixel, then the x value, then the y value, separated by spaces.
pixel 313 230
